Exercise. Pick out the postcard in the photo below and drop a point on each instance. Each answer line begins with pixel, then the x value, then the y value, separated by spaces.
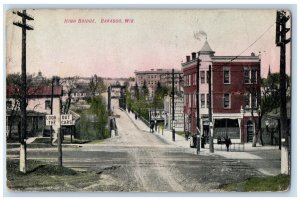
pixel 148 100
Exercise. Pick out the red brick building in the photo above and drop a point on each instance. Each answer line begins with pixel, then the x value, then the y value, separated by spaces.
pixel 235 94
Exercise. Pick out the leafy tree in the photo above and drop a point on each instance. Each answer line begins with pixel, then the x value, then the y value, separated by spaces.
pixel 97 85
pixel 160 93
pixel 93 121
pixel 269 99
pixel 145 91
pixel 70 83
pixel 136 91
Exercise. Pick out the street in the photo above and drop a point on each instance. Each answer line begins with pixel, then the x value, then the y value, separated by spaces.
pixel 139 161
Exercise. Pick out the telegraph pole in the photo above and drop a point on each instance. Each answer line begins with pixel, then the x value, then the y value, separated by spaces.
pixel 173 106
pixel 109 107
pixel 23 105
pixel 281 41
pixel 197 106
pixel 211 135
pixel 52 83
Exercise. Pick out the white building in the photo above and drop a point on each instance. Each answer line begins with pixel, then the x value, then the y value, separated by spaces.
pixel 39 105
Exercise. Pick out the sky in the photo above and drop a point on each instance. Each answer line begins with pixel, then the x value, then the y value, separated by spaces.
pixel 155 39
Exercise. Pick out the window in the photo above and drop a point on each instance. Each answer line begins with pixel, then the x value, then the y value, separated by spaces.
pixel 250 76
pixel 8 104
pixel 47 104
pixel 207 100
pixel 246 100
pixel 226 102
pixel 253 76
pixel 194 100
pixel 202 77
pixel 253 100
pixel 207 77
pixel 246 75
pixel 226 75
pixel 194 79
pixel 202 96
pixel 190 100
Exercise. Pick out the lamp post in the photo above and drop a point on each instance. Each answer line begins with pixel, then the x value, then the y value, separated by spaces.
pixel 242 123
pixel 271 126
pixel 259 124
pixel 267 123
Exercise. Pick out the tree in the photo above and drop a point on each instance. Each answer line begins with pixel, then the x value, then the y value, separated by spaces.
pixel 97 85
pixel 70 84
pixel 145 91
pixel 268 99
pixel 93 121
pixel 136 91
pixel 160 93
pixel 254 99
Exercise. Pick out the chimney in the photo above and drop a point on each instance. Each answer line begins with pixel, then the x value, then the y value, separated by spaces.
pixel 193 55
pixel 252 54
pixel 188 58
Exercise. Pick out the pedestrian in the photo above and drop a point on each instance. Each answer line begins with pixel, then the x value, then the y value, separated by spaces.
pixel 227 143
pixel 135 116
pixel 152 126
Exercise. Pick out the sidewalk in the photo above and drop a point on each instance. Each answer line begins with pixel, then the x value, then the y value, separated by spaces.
pixel 238 151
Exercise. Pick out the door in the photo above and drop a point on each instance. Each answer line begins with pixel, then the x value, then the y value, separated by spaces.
pixel 250 131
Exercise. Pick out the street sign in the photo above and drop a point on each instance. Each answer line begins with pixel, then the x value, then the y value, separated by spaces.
pixel 66 119
pixel 51 120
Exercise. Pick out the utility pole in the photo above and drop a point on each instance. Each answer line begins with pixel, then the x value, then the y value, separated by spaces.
pixel 281 30
pixel 59 146
pixel 211 134
pixel 23 105
pixel 52 83
pixel 109 107
pixel 173 106
pixel 197 106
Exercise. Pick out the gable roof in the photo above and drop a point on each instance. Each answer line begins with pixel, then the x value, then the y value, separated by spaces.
pixel 41 91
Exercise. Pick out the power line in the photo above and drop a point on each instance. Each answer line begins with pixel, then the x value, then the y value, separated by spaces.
pixel 254 42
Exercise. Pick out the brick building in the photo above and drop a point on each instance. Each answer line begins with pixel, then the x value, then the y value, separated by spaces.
pixel 152 77
pixel 235 93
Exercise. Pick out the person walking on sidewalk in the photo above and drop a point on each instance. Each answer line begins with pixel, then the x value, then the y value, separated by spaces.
pixel 152 126
pixel 227 143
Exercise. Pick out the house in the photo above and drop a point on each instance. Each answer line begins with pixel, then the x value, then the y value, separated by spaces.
pixel 235 88
pixel 39 105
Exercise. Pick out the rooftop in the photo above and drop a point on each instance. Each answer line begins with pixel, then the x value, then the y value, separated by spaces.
pixel 206 48
pixel 157 71
pixel 35 91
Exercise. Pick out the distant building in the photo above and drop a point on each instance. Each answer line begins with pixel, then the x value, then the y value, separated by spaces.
pixel 178 123
pixel 163 76
pixel 235 92
pixel 39 105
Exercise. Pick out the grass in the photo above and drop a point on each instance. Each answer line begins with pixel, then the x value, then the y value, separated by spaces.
pixel 67 140
pixel 43 176
pixel 180 133
pixel 96 142
pixel 265 184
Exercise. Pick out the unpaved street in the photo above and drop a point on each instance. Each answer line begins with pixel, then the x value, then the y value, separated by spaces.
pixel 140 161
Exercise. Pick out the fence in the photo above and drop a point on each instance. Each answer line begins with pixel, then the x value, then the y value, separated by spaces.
pixel 234 147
